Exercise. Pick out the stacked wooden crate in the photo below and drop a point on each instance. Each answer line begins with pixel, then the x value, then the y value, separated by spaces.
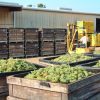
pixel 47 42
pixel 88 25
pixel 31 42
pixel 16 42
pixel 60 44
pixel 3 43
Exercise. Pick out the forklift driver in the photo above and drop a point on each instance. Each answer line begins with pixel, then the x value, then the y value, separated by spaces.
pixel 84 41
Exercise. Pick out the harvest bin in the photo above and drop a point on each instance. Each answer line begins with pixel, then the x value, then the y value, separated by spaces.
pixel 90 66
pixel 26 89
pixel 50 60
pixel 3 82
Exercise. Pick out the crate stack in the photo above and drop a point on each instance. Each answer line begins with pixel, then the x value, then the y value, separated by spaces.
pixel 47 42
pixel 3 43
pixel 16 42
pixel 31 42
pixel 98 39
pixel 60 44
pixel 88 25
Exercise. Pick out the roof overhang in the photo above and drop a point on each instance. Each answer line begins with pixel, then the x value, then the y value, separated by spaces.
pixel 11 6
pixel 61 11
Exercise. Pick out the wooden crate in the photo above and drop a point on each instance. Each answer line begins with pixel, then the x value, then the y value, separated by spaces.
pixel 60 47
pixel 47 53
pixel 3 35
pixel 3 50
pixel 26 89
pixel 31 49
pixel 3 81
pixel 60 34
pixel 47 35
pixel 31 34
pixel 16 50
pixel 47 48
pixel 16 35
pixel 3 88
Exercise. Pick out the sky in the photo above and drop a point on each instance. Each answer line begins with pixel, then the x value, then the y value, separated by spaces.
pixel 92 6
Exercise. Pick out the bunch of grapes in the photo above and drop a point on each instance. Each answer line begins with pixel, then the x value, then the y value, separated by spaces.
pixel 97 64
pixel 97 52
pixel 72 58
pixel 12 65
pixel 59 74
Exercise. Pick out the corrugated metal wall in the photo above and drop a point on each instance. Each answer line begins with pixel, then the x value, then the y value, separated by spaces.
pixel 44 19
pixel 6 18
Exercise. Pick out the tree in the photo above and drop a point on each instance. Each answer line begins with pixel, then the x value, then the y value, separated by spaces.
pixel 29 5
pixel 40 5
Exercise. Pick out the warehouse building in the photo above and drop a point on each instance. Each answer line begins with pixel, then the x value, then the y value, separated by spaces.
pixel 7 14
pixel 44 18
pixel 13 15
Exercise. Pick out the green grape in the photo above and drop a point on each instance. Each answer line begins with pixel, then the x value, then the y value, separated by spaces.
pixel 97 64
pixel 97 52
pixel 60 73
pixel 11 65
pixel 71 58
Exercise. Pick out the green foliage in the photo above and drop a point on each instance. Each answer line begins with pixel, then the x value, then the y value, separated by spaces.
pixel 59 74
pixel 97 52
pixel 15 65
pixel 71 58
pixel 40 5
pixel 97 64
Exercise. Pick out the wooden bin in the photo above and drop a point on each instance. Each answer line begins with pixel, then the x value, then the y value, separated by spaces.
pixel 47 48
pixel 3 50
pixel 60 47
pixel 60 34
pixel 31 34
pixel 26 89
pixel 16 35
pixel 3 88
pixel 3 35
pixel 31 49
pixel 47 35
pixel 3 82
pixel 16 50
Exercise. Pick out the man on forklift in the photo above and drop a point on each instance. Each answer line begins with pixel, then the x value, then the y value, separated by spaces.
pixel 84 41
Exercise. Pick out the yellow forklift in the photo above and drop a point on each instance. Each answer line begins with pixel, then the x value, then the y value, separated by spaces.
pixel 72 40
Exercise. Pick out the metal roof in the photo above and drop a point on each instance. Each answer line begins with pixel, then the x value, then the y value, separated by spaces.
pixel 60 11
pixel 11 6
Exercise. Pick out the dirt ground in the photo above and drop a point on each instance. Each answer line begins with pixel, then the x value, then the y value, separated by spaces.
pixel 36 61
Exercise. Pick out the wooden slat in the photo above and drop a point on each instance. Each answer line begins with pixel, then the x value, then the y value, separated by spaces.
pixel 3 85
pixel 34 94
pixel 16 35
pixel 47 35
pixel 16 49
pixel 31 34
pixel 3 88
pixel 13 98
pixel 36 84
pixel 10 87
